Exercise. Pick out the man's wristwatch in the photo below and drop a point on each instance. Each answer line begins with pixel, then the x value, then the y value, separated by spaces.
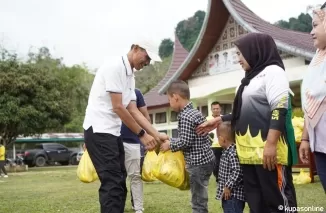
pixel 141 133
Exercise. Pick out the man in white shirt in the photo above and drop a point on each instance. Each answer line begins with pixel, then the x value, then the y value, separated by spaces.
pixel 111 102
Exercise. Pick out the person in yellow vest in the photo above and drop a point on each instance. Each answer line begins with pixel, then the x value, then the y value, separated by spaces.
pixel 217 149
pixel 3 160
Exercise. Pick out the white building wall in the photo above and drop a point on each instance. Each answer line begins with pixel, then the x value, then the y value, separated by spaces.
pixel 207 85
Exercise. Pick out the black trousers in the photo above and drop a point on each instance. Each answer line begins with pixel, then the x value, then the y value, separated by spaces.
pixel 320 159
pixel 268 191
pixel 289 190
pixel 2 167
pixel 217 152
pixel 107 154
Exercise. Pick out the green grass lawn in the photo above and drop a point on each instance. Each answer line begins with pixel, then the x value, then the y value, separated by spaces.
pixel 57 189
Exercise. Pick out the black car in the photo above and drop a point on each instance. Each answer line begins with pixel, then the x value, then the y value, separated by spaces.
pixel 49 153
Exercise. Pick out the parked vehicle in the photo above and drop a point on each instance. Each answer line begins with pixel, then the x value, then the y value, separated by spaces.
pixel 18 161
pixel 49 153
pixel 79 155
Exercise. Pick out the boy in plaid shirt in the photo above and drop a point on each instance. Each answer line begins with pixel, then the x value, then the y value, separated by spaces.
pixel 230 186
pixel 197 150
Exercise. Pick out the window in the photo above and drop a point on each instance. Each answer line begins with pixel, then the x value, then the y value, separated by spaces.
pixel 54 147
pixel 163 131
pixel 174 116
pixel 174 133
pixel 204 111
pixel 226 108
pixel 151 116
pixel 306 62
pixel 39 146
pixel 160 118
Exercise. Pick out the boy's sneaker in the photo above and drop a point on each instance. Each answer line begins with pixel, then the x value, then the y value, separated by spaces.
pixel 139 211
pixel 5 176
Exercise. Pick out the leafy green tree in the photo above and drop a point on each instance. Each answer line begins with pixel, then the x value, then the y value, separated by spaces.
pixel 151 75
pixel 187 32
pixel 303 23
pixel 189 29
pixel 31 101
pixel 166 48
pixel 75 79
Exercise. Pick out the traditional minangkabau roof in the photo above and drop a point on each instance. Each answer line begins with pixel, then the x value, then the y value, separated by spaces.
pixel 218 12
pixel 294 42
pixel 152 98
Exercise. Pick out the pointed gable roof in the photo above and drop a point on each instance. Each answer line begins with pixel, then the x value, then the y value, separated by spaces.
pixel 292 42
pixel 153 98
pixel 295 42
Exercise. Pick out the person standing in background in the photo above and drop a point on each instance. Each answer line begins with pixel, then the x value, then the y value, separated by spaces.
pixel 142 156
pixel 3 160
pixel 313 97
pixel 217 149
pixel 133 153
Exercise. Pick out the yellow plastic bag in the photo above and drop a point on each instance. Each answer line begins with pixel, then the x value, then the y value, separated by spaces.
pixel 302 178
pixel 149 162
pixel 186 182
pixel 85 170
pixel 298 123
pixel 297 134
pixel 170 169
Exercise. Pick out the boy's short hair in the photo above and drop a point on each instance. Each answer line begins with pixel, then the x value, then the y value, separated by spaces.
pixel 180 88
pixel 226 129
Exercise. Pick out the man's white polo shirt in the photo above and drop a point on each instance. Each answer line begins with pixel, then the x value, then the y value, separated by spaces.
pixel 114 76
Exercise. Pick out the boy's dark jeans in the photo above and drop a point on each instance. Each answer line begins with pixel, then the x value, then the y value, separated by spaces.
pixel 199 180
pixel 233 205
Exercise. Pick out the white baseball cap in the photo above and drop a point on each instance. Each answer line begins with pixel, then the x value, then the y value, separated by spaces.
pixel 150 47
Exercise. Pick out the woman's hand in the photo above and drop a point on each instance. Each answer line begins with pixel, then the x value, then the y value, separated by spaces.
pixel 304 151
pixel 208 126
pixel 304 146
pixel 269 156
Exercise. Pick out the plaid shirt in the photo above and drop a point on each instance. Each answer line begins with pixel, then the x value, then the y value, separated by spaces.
pixel 196 149
pixel 230 174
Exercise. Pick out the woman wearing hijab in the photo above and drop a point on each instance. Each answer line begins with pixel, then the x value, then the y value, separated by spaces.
pixel 313 93
pixel 259 121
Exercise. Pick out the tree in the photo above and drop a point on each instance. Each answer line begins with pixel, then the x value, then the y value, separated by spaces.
pixel 151 75
pixel 78 82
pixel 187 32
pixel 166 48
pixel 303 23
pixel 189 29
pixel 32 99
pixel 75 79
